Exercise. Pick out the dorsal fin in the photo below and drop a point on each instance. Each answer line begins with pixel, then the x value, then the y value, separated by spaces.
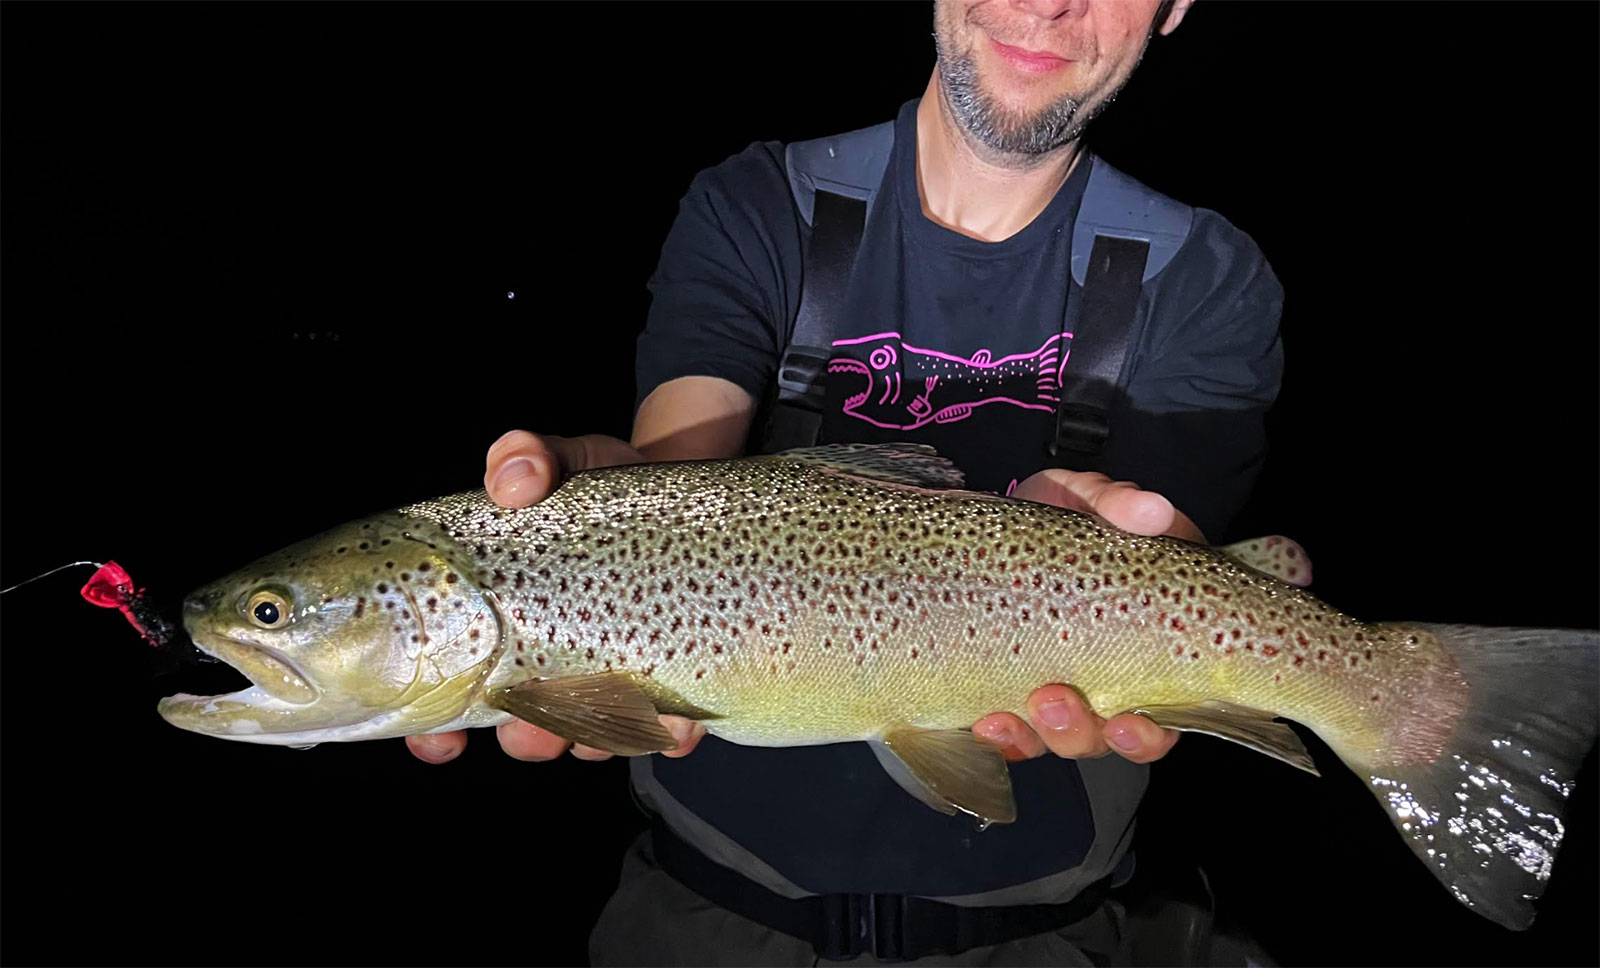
pixel 898 463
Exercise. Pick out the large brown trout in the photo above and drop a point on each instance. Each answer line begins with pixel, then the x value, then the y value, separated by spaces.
pixel 851 593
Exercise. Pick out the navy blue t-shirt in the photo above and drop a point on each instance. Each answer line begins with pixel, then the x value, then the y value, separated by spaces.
pixel 958 343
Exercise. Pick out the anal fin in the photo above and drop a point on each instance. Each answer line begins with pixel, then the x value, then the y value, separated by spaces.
pixel 950 770
pixel 1248 727
pixel 608 711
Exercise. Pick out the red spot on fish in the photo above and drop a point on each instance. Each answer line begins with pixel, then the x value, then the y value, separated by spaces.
pixel 1268 651
pixel 1194 655
pixel 1299 659
pixel 1217 640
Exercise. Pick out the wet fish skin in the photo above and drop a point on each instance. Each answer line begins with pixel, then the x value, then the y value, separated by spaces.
pixel 810 599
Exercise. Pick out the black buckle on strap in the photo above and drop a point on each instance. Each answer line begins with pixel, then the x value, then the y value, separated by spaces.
pixel 858 924
pixel 892 927
pixel 800 376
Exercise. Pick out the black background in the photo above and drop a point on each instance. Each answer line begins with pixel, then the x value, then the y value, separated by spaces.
pixel 192 192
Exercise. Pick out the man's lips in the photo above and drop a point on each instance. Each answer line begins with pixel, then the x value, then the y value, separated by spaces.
pixel 1031 61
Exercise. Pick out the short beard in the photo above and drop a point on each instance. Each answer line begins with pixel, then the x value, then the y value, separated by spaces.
pixel 1001 131
pixel 1020 138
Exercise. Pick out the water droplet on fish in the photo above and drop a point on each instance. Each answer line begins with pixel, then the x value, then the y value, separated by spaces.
pixel 511 295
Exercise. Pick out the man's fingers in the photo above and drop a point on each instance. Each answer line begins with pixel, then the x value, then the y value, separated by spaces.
pixel 1138 739
pixel 437 747
pixel 1065 724
pixel 1131 509
pixel 1012 735
pixel 589 753
pixel 523 468
pixel 523 741
pixel 687 732
pixel 1123 503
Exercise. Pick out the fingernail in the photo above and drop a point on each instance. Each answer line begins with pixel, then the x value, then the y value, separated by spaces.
pixel 1123 739
pixel 1055 714
pixel 997 734
pixel 435 752
pixel 512 476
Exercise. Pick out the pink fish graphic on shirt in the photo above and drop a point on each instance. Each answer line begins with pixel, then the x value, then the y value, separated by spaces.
pixel 908 386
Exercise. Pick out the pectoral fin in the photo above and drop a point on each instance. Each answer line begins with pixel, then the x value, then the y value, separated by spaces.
pixel 607 711
pixel 1274 555
pixel 1241 724
pixel 949 770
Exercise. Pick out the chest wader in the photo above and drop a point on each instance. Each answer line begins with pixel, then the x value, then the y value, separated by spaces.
pixel 1124 235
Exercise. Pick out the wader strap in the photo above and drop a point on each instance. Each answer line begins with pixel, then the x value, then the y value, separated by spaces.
pixel 894 927
pixel 836 226
pixel 1100 339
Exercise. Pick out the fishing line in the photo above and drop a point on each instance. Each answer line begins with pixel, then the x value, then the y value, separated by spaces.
pixel 47 574
pixel 112 587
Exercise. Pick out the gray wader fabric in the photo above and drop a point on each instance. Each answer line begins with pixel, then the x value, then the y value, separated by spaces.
pixel 654 920
pixel 1113 784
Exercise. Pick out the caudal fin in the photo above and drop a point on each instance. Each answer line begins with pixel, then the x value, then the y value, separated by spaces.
pixel 1487 815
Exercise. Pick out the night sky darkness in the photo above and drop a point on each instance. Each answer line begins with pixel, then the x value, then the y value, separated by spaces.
pixel 192 192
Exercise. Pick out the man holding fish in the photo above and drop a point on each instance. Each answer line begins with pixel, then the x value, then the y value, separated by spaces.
pixel 987 173
pixel 904 322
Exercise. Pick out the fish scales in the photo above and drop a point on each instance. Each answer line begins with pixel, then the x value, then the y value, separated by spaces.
pixel 848 604
pixel 848 593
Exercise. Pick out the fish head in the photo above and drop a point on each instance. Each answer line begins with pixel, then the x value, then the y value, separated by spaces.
pixel 367 631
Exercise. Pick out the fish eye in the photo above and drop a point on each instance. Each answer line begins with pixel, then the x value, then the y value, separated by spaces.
pixel 268 610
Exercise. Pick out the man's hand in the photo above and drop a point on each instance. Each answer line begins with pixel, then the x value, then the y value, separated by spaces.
pixel 1061 722
pixel 523 469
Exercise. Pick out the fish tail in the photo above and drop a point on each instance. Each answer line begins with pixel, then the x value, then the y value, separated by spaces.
pixel 1478 782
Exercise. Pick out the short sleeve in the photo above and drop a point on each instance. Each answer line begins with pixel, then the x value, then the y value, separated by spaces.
pixel 725 289
pixel 1192 424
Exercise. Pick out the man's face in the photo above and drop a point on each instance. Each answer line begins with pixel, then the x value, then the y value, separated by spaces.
pixel 1025 76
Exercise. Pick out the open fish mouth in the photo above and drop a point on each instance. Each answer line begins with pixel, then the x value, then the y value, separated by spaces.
pixel 844 364
pixel 268 670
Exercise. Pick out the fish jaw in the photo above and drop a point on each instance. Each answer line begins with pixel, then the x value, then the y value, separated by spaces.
pixel 253 716
pixel 268 669
pixel 279 695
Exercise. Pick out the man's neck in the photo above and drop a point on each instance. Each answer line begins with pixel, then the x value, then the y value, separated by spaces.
pixel 968 189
